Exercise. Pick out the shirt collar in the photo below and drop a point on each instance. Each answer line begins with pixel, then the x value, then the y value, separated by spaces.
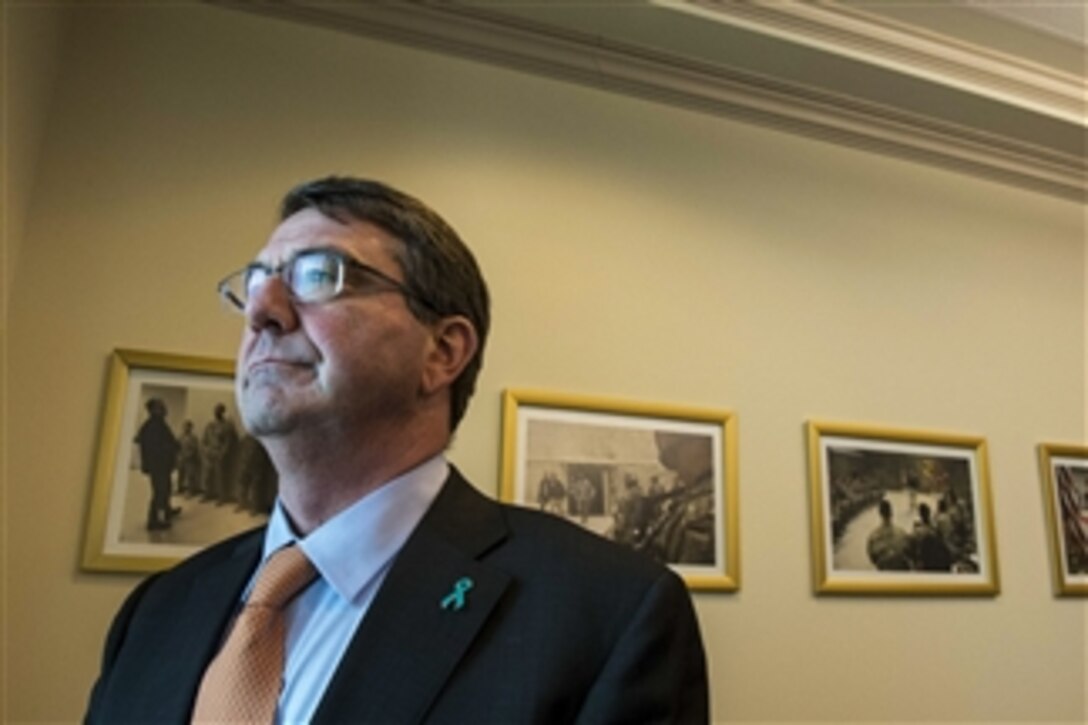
pixel 352 547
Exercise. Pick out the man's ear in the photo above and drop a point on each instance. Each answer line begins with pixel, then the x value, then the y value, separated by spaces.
pixel 452 345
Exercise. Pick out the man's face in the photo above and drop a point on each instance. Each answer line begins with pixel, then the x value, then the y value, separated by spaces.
pixel 352 362
pixel 687 454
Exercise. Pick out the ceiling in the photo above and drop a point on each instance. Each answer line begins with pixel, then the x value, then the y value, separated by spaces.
pixel 1064 19
pixel 996 89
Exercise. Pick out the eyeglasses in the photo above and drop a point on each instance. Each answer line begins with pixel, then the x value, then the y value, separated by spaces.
pixel 313 276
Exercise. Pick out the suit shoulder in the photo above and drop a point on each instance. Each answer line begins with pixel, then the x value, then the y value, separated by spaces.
pixel 238 544
pixel 246 544
pixel 562 541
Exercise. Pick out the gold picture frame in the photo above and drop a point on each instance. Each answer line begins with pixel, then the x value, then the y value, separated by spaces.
pixel 127 530
pixel 1064 472
pixel 657 478
pixel 897 511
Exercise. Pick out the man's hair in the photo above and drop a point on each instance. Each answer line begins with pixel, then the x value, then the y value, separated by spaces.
pixel 885 508
pixel 438 268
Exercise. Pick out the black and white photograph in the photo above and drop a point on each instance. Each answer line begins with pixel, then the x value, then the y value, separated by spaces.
pixel 1065 483
pixel 657 479
pixel 176 471
pixel 900 512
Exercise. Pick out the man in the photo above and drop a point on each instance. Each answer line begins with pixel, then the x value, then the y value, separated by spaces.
pixel 582 495
pixel 928 550
pixel 552 494
pixel 630 517
pixel 888 545
pixel 683 533
pixel 254 476
pixel 188 460
pixel 366 318
pixel 217 444
pixel 158 454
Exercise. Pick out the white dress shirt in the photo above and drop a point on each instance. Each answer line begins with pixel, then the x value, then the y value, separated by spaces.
pixel 352 553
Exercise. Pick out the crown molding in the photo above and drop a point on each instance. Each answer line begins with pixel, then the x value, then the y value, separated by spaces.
pixel 482 33
pixel 860 33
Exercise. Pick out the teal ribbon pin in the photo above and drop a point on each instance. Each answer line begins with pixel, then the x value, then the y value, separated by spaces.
pixel 455 600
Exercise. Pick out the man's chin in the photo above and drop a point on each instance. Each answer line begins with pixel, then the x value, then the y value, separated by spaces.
pixel 267 422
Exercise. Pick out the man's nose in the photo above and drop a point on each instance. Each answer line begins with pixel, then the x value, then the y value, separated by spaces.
pixel 270 307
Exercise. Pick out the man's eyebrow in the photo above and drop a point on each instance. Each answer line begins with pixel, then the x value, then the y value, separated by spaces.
pixel 293 254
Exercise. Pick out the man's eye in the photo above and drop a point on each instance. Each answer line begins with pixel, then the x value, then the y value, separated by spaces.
pixel 317 277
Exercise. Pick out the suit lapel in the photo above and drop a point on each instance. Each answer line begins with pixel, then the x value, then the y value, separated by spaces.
pixel 408 645
pixel 210 604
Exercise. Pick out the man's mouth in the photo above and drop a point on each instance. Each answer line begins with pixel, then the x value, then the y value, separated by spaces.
pixel 276 362
pixel 275 368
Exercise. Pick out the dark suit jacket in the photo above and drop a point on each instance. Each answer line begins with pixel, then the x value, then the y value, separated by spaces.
pixel 560 626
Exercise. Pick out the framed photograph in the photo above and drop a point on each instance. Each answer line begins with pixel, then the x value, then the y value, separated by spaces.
pixel 174 471
pixel 656 478
pixel 900 512
pixel 1065 486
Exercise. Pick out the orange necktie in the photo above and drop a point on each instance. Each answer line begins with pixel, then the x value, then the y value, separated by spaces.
pixel 242 684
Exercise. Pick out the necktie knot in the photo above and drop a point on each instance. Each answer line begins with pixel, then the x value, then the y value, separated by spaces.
pixel 243 682
pixel 284 575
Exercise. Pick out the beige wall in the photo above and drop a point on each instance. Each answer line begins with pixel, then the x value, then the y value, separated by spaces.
pixel 30 63
pixel 633 251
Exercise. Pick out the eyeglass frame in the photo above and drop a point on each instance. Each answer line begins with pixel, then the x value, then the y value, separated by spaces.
pixel 345 259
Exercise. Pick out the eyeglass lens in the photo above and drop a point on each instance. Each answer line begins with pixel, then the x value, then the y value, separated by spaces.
pixel 312 276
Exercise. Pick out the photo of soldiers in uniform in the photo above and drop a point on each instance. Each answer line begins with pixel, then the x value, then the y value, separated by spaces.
pixel 652 490
pixel 207 479
pixel 899 512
